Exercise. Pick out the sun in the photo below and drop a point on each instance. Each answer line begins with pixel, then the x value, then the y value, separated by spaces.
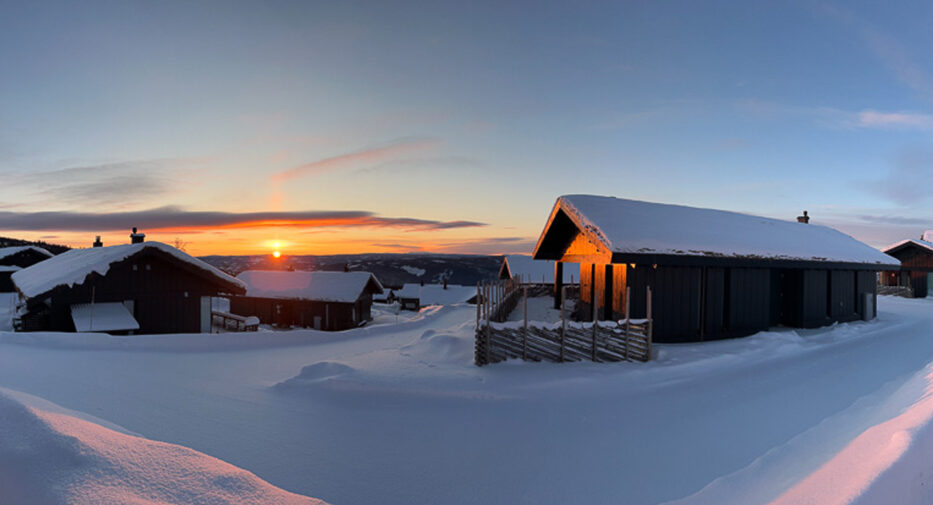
pixel 276 254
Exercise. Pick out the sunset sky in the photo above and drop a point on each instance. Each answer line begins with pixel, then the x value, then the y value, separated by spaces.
pixel 340 127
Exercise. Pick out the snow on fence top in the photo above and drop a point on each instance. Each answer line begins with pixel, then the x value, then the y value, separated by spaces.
pixel 316 286
pixel 73 267
pixel 531 270
pixel 631 226
pixel 6 252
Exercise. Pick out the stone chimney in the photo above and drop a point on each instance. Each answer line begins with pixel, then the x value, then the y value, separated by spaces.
pixel 136 237
pixel 804 218
pixel 97 242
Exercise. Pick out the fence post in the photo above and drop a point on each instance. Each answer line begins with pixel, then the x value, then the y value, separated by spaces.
pixel 488 338
pixel 628 302
pixel 595 326
pixel 563 319
pixel 650 325
pixel 479 303
pixel 525 326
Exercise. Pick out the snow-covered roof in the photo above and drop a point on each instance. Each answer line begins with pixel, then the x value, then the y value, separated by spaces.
pixel 10 268
pixel 435 294
pixel 636 227
pixel 919 243
pixel 531 270
pixel 102 317
pixel 6 252
pixel 317 286
pixel 73 267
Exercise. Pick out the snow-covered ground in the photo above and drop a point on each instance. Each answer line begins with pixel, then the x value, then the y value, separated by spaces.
pixel 49 455
pixel 540 308
pixel 395 413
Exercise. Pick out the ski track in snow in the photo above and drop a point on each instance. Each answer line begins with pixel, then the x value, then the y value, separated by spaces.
pixel 398 413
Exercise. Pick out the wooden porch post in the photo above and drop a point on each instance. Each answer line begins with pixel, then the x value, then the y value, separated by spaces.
pixel 558 283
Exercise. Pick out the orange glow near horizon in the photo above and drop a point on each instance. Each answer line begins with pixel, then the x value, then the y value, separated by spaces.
pixel 297 241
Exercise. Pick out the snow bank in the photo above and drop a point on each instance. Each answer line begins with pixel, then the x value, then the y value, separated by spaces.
pixel 215 342
pixel 654 228
pixel 51 457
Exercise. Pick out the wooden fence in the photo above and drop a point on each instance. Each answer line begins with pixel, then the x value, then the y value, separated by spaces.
pixel 625 340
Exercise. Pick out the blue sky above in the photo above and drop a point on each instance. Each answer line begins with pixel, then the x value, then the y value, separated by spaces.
pixel 458 112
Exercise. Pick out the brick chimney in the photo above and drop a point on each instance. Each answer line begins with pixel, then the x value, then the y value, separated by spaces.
pixel 804 218
pixel 137 238
pixel 97 242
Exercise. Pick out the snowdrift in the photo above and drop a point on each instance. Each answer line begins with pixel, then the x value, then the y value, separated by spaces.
pixel 51 457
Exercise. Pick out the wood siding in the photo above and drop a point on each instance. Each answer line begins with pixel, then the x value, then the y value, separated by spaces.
pixel 333 316
pixel 166 298
pixel 707 303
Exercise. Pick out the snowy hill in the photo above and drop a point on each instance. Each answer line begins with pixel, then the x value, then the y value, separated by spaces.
pixel 392 270
pixel 49 455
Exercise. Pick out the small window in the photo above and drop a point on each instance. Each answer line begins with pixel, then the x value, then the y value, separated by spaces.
pixel 135 267
pixel 148 267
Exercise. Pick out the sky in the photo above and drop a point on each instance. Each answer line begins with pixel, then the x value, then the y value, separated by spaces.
pixel 452 127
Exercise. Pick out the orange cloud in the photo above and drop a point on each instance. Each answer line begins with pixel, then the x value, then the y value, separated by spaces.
pixel 356 158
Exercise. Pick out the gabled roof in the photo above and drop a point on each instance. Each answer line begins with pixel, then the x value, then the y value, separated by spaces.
pixel 436 294
pixel 626 229
pixel 74 266
pixel 315 286
pixel 923 244
pixel 6 252
pixel 531 270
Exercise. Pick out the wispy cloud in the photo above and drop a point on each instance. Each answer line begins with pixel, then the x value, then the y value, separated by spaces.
pixel 905 120
pixel 359 158
pixel 118 184
pixel 174 218
pixel 831 117
pixel 908 180
pixel 888 50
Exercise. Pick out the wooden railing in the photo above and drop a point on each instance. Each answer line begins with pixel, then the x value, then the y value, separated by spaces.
pixel 624 340
pixel 495 300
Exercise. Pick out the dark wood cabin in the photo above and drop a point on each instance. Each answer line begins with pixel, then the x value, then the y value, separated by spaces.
pixel 916 257
pixel 160 288
pixel 330 301
pixel 13 259
pixel 713 274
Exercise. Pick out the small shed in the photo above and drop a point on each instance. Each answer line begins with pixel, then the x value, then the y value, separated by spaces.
pixel 13 259
pixel 330 301
pixel 414 296
pixel 713 274
pixel 146 287
pixel 531 271
pixel 916 257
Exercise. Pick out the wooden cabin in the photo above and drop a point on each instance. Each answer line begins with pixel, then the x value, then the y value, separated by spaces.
pixel 145 287
pixel 13 259
pixel 414 296
pixel 330 301
pixel 713 274
pixel 531 271
pixel 916 257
